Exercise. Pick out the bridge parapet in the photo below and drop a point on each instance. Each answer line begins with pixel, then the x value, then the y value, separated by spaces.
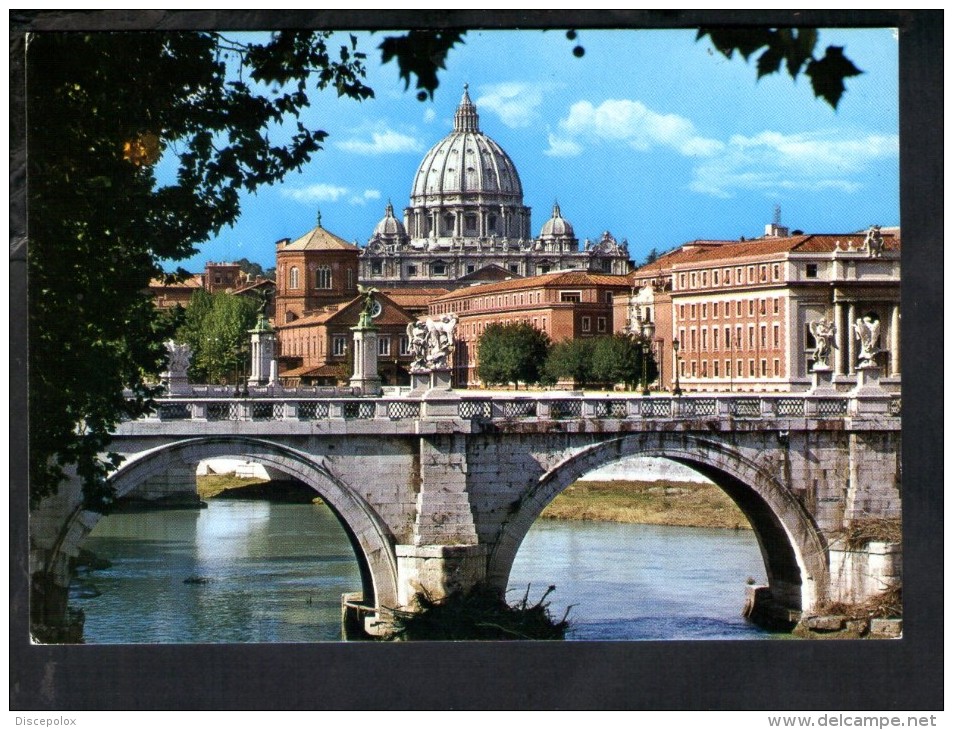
pixel 471 411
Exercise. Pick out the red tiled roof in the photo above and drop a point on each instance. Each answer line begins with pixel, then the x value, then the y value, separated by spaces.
pixel 349 311
pixel 727 250
pixel 312 372
pixel 319 239
pixel 193 282
pixel 253 285
pixel 557 278
pixel 413 297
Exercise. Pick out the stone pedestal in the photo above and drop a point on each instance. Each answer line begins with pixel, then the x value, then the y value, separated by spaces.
pixel 176 384
pixel 262 354
pixel 868 396
pixel 822 380
pixel 419 382
pixel 438 570
pixel 441 379
pixel 365 375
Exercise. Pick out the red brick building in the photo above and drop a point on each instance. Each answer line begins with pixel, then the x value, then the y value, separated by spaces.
pixel 741 309
pixel 564 305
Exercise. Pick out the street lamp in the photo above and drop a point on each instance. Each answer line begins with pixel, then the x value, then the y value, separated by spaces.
pixel 646 329
pixel 675 345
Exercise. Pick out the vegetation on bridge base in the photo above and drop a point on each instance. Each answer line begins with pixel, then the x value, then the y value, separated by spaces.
pixel 479 615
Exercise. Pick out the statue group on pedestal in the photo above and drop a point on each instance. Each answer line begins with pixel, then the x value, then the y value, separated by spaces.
pixel 431 343
pixel 866 329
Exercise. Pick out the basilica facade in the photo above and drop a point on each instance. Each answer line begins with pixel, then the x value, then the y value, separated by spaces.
pixel 466 223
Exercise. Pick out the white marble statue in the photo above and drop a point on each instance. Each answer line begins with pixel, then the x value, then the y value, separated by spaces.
pixel 867 330
pixel 417 339
pixel 874 243
pixel 180 357
pixel 824 332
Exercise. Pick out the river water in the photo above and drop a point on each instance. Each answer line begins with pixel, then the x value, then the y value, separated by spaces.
pixel 254 571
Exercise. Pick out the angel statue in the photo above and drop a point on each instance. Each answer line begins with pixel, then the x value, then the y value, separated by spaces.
pixel 180 357
pixel 369 307
pixel 867 330
pixel 417 338
pixel 874 243
pixel 823 331
pixel 441 340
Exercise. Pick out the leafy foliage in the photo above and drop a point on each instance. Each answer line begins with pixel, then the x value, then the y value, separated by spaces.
pixel 216 328
pixel 599 361
pixel 512 353
pixel 792 46
pixel 102 108
pixel 421 53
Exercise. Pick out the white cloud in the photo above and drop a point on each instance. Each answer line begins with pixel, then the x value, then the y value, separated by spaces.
pixel 317 193
pixel 383 142
pixel 634 124
pixel 430 115
pixel 813 162
pixel 515 103
pixel 364 197
pixel 562 147
pixel 325 193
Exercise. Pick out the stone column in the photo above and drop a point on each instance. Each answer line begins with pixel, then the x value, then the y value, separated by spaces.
pixel 365 361
pixel 839 334
pixel 262 352
pixel 895 341
pixel 851 340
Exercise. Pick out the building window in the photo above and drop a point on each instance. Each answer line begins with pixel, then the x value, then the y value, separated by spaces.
pixel 704 338
pixel 738 275
pixel 714 310
pixel 738 341
pixel 448 224
pixel 738 308
pixel 777 368
pixel 740 370
pixel 693 347
pixel 750 368
pixel 514 268
pixel 764 368
pixel 438 268
pixel 694 280
pixel 704 368
pixel 491 223
pixel 714 278
pixel 290 317
pixel 704 278
pixel 776 272
pixel 682 364
pixel 681 281
pixel 412 270
pixel 544 269
pixel 811 271
pixel 471 222
pixel 694 312
pixel 728 368
pixel 601 324
pixel 322 277
pixel 570 296
pixel 339 345
pixel 763 272
pixel 404 345
pixel 750 336
pixel 681 311
pixel 751 274
pixel 777 337
pixel 586 324
pixel 383 346
pixel 727 276
pixel 777 305
pixel 714 365
pixel 764 309
pixel 376 268
pixel 694 369
pixel 764 337
pixel 714 338
pixel 293 278
pixel 608 296
pixel 751 307
pixel 705 311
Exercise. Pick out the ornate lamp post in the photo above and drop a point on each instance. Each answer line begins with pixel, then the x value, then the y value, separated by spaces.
pixel 677 390
pixel 647 330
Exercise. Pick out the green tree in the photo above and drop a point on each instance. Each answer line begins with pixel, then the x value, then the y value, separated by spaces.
pixel 570 360
pixel 216 328
pixel 616 359
pixel 102 109
pixel 511 353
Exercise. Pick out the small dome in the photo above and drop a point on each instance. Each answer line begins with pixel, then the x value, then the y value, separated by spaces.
pixel 557 226
pixel 389 227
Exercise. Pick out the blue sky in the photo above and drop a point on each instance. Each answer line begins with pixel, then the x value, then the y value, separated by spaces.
pixel 650 135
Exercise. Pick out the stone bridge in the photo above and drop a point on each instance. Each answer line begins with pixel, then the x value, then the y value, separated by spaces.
pixel 437 490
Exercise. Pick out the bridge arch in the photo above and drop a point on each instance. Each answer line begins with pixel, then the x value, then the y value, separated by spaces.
pixel 369 536
pixel 793 550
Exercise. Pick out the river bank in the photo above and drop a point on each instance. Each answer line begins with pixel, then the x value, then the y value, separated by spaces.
pixel 658 502
pixel 679 504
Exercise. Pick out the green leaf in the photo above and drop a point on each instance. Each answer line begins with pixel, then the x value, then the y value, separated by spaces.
pixel 827 75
